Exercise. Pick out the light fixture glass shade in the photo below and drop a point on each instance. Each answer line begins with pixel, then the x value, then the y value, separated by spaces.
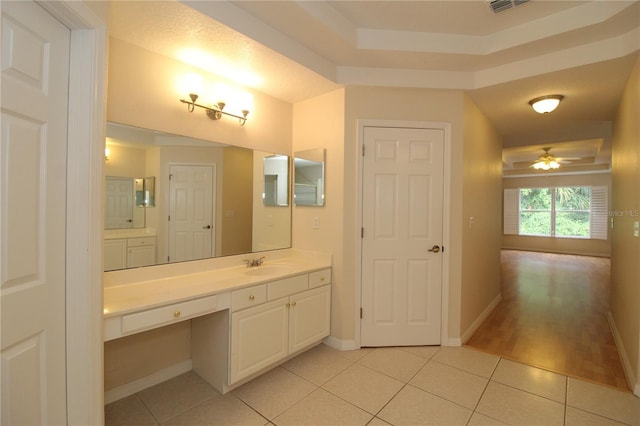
pixel 545 104
pixel 546 165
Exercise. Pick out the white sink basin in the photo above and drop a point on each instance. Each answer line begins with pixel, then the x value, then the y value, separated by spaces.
pixel 268 270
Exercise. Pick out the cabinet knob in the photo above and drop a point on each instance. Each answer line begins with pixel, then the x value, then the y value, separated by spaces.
pixel 321 278
pixel 176 314
pixel 288 305
pixel 293 303
pixel 252 297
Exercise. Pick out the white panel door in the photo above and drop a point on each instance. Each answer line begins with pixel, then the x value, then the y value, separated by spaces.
pixel 191 207
pixel 402 220
pixel 35 73
pixel 118 203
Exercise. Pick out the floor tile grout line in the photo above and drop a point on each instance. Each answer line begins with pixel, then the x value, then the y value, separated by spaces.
pixel 146 407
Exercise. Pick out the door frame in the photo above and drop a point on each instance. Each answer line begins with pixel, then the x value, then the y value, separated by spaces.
pixel 446 222
pixel 85 158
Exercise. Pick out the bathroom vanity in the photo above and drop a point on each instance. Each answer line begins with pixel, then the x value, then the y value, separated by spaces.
pixel 244 321
pixel 129 248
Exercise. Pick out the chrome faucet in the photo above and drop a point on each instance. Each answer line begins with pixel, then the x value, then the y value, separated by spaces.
pixel 254 262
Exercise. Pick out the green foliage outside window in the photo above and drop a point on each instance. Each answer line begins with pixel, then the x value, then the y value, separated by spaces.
pixel 562 211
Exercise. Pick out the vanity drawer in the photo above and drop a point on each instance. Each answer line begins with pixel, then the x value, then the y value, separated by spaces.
pixel 319 278
pixel 168 314
pixel 247 297
pixel 142 241
pixel 287 286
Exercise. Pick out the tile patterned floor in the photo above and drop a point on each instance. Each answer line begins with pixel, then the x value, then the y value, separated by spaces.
pixel 385 386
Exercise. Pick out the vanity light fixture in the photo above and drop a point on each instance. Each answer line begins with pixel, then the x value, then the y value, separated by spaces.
pixel 215 112
pixel 107 152
pixel 545 104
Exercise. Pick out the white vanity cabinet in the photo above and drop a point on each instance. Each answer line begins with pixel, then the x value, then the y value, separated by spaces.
pixel 268 323
pixel 115 254
pixel 141 252
pixel 123 253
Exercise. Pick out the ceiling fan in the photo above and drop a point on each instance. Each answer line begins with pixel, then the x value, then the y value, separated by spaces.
pixel 547 161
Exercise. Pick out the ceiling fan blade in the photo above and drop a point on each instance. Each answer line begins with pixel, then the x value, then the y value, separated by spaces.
pixel 568 158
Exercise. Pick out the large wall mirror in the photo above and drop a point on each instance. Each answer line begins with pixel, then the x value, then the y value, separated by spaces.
pixel 308 172
pixel 189 199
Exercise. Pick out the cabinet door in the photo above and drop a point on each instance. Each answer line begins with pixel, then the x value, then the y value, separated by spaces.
pixel 309 317
pixel 141 256
pixel 259 338
pixel 115 254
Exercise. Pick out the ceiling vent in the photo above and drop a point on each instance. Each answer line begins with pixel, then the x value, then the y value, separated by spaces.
pixel 501 5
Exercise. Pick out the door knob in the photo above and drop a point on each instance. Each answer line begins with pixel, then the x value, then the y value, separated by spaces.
pixel 435 249
pixel 206 227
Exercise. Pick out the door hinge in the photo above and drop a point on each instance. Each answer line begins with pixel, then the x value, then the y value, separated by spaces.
pixel 168 259
pixel 169 218
pixel 170 176
pixel 362 232
pixel 360 313
pixel 363 150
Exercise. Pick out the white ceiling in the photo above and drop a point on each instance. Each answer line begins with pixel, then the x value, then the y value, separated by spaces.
pixel 299 49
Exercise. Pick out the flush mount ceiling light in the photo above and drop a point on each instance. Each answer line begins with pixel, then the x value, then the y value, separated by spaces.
pixel 545 104
pixel 214 112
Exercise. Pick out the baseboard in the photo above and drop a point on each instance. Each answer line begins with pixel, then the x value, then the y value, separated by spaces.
pixel 341 345
pixel 146 382
pixel 626 365
pixel 452 341
pixel 478 321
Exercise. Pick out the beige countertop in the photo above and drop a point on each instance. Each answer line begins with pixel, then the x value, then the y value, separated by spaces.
pixel 144 288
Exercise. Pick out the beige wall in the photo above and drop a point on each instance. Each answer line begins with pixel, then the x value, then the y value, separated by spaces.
pixel 125 162
pixel 140 355
pixel 625 248
pixel 481 218
pixel 558 245
pixel 236 213
pixel 143 92
pixel 319 123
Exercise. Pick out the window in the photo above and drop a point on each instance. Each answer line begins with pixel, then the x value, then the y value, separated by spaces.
pixel 564 212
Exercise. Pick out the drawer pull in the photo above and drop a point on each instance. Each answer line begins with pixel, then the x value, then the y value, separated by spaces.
pixel 176 314
pixel 321 278
pixel 252 297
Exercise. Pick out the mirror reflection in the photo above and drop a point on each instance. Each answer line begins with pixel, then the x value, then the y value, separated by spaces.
pixel 308 172
pixel 276 181
pixel 200 199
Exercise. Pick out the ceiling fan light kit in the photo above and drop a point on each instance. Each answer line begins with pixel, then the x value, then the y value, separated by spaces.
pixel 545 104
pixel 546 161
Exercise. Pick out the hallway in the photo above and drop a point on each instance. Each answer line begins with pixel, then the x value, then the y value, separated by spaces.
pixel 553 316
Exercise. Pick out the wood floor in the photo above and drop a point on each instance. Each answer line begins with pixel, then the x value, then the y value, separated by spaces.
pixel 553 316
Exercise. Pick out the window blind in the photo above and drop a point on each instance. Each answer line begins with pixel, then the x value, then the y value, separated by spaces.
pixel 599 208
pixel 511 221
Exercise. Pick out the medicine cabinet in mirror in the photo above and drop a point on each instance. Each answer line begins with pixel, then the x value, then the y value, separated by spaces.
pixel 308 172
pixel 202 199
